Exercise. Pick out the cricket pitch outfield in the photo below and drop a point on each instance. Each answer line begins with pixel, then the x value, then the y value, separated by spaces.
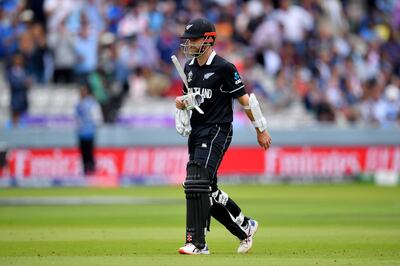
pixel 351 224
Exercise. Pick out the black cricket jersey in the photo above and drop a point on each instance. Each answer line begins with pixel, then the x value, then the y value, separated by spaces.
pixel 219 82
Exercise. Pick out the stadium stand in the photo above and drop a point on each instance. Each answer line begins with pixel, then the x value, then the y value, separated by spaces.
pixel 334 62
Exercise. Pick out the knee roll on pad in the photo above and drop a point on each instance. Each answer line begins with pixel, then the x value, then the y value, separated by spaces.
pixel 197 179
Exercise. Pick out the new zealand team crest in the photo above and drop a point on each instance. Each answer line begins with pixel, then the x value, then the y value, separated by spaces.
pixel 190 76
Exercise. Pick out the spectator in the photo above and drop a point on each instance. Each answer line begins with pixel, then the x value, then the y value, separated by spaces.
pixel 167 45
pixel 388 107
pixel 85 45
pixel 58 10
pixel 297 22
pixel 321 53
pixel 137 85
pixel 19 82
pixel 370 105
pixel 61 42
pixel 8 34
pixel 391 51
pixel 282 95
pixel 113 14
pixel 88 117
pixel 40 55
pixel 134 22
pixel 324 112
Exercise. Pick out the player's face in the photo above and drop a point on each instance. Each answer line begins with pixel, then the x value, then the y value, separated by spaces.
pixel 194 47
pixel 195 43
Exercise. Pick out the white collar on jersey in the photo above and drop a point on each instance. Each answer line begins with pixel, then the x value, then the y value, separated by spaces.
pixel 209 60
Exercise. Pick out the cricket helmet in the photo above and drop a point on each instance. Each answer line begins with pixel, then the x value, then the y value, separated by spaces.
pixel 198 28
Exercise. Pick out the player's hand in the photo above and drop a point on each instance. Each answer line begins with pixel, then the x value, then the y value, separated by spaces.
pixel 179 103
pixel 264 139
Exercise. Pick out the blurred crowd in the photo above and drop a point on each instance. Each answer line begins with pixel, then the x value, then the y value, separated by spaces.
pixel 340 59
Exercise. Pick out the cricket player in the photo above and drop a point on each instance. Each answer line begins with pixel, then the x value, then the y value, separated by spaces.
pixel 217 82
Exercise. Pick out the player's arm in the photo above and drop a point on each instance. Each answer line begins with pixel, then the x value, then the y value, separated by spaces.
pixel 263 137
pixel 234 86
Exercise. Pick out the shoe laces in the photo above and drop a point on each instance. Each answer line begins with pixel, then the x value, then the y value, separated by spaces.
pixel 245 241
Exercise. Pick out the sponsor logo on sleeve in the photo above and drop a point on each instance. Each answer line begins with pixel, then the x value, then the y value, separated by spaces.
pixel 237 78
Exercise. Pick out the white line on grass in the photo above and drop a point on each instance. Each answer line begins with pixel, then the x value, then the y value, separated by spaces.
pixel 88 200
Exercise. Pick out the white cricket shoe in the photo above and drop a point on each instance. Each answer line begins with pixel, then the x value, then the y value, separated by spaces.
pixel 247 243
pixel 190 249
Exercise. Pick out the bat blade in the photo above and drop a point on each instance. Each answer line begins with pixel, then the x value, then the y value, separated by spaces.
pixel 180 70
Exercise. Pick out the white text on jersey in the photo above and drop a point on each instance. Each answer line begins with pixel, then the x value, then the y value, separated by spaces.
pixel 206 93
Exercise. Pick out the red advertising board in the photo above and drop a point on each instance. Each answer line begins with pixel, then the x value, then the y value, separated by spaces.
pixel 117 166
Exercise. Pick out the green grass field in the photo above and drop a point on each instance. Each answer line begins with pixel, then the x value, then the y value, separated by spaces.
pixel 299 225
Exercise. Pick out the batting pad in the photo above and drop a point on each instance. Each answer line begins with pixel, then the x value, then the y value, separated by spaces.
pixel 197 190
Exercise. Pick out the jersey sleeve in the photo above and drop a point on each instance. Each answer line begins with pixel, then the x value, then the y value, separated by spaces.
pixel 232 81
